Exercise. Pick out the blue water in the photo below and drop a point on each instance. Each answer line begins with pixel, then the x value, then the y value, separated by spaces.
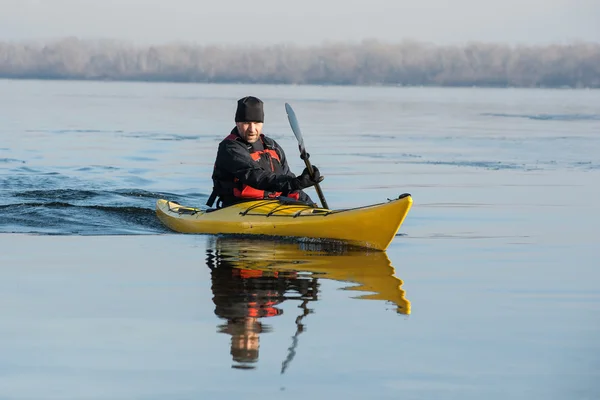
pixel 488 291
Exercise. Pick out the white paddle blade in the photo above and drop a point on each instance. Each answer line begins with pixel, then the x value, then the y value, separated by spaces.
pixel 295 126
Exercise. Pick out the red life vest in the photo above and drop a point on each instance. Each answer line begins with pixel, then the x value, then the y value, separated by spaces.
pixel 267 155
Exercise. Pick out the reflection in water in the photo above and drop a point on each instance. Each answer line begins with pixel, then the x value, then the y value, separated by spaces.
pixel 251 277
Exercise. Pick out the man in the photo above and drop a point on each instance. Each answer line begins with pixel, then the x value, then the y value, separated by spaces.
pixel 250 165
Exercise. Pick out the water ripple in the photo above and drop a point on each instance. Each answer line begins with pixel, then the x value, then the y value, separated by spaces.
pixel 548 117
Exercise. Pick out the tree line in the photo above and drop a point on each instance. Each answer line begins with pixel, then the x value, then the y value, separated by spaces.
pixel 369 62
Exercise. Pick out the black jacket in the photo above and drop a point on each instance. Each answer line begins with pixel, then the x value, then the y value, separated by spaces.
pixel 235 167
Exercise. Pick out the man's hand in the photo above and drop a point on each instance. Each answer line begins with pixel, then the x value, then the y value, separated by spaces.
pixel 306 180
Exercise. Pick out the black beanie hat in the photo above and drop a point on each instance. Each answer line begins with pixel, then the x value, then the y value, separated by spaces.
pixel 249 109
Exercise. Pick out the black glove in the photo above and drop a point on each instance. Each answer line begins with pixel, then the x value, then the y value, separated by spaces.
pixel 305 180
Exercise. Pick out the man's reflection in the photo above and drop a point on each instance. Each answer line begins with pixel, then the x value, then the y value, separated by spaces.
pixel 244 295
pixel 252 277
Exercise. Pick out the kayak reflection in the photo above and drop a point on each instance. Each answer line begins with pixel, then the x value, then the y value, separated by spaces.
pixel 251 277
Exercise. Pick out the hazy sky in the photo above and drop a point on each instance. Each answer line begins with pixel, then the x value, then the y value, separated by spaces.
pixel 303 21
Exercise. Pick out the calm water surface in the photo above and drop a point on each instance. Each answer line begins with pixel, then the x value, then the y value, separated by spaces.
pixel 490 290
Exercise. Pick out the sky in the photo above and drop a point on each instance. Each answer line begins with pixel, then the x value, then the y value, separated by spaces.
pixel 304 22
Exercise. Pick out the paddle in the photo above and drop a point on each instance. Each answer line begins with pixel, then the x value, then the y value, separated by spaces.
pixel 303 154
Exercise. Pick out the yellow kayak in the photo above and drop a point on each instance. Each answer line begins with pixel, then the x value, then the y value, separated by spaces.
pixel 372 226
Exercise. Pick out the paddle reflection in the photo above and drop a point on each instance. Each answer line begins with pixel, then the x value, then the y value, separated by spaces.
pixel 252 277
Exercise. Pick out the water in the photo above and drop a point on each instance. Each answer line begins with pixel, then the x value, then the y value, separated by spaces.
pixel 489 290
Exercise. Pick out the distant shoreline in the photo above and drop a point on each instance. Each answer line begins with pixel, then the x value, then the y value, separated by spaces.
pixel 292 84
pixel 369 63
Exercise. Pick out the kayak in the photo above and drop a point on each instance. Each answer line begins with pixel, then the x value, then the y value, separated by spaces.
pixel 373 226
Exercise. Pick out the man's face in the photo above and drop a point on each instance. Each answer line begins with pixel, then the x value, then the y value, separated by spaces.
pixel 249 131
